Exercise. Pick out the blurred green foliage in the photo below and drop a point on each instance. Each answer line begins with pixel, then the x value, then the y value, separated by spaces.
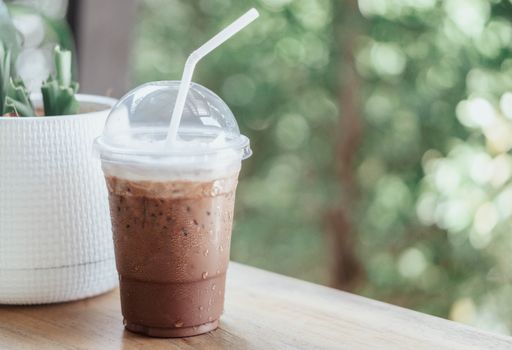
pixel 433 168
pixel 430 233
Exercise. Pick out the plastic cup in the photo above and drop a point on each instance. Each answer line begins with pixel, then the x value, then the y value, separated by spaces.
pixel 171 208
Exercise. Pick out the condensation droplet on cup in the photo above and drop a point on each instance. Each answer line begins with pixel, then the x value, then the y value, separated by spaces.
pixel 210 319
pixel 215 190
pixel 205 253
pixel 213 287
pixel 125 322
pixel 201 308
pixel 204 275
pixel 178 324
pixel 221 248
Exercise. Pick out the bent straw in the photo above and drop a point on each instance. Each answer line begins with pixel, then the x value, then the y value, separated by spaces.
pixel 190 65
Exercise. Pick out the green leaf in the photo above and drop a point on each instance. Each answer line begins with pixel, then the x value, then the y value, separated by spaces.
pixel 59 91
pixel 58 100
pixel 17 100
pixel 5 74
pixel 8 34
pixel 63 66
pixel 17 108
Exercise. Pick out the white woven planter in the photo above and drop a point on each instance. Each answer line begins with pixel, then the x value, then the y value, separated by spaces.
pixel 55 232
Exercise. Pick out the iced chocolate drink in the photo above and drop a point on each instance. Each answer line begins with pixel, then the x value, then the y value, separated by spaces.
pixel 172 251
pixel 172 179
pixel 171 206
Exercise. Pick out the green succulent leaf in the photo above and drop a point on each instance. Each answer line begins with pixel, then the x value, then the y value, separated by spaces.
pixel 5 74
pixel 8 35
pixel 17 100
pixel 59 100
pixel 63 66
pixel 59 91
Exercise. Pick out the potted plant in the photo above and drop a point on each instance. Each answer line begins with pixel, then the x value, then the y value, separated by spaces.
pixel 55 233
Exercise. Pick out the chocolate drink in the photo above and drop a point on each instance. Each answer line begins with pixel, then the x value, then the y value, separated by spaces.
pixel 172 241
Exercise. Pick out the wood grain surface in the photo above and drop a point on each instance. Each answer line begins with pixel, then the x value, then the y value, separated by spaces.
pixel 263 311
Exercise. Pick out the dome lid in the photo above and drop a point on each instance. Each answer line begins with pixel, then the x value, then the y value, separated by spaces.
pixel 137 126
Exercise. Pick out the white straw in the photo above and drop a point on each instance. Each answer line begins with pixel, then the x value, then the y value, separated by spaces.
pixel 192 60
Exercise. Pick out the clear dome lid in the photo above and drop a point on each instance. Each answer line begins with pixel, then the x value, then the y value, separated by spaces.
pixel 136 128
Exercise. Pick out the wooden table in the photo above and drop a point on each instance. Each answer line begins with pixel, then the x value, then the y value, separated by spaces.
pixel 263 311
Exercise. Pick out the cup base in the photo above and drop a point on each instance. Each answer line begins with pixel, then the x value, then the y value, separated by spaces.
pixel 160 332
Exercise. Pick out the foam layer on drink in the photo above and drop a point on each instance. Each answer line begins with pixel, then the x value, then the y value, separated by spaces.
pixel 206 170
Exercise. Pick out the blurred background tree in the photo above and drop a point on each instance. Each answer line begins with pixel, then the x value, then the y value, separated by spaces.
pixel 382 132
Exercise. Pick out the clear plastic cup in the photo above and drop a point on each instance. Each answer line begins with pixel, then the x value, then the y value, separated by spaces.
pixel 171 207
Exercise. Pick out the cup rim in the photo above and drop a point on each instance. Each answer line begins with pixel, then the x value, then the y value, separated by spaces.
pixel 107 153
